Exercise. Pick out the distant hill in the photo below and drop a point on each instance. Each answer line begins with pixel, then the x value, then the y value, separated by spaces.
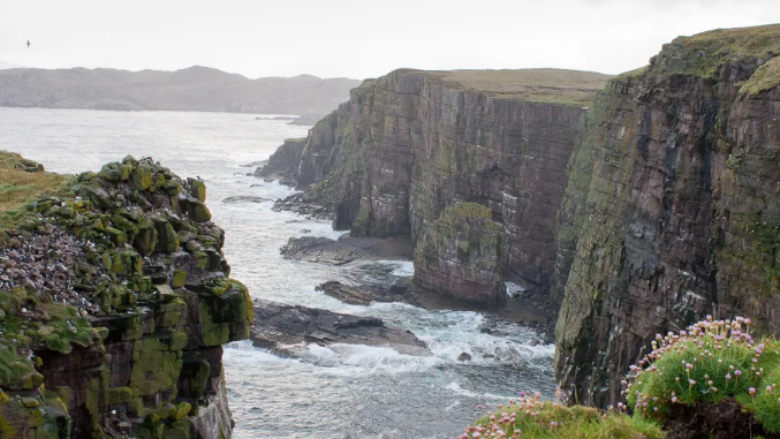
pixel 193 89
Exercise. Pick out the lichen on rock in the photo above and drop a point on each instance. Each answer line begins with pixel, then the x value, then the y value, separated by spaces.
pixel 101 303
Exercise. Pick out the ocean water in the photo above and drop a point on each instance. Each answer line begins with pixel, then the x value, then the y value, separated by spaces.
pixel 341 391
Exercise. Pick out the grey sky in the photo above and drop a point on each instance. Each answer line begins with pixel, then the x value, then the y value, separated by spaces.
pixel 358 38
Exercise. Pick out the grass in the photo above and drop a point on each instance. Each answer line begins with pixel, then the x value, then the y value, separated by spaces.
pixel 531 418
pixel 765 78
pixel 704 53
pixel 18 187
pixel 558 86
pixel 711 361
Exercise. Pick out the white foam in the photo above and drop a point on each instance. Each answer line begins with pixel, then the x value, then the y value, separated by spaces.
pixel 402 268
pixel 458 390
pixel 350 360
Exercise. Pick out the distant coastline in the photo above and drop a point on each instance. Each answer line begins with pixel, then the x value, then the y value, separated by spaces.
pixel 196 88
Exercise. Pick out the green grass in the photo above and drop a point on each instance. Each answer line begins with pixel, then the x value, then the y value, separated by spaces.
pixel 712 361
pixel 558 86
pixel 703 54
pixel 765 78
pixel 531 418
pixel 18 187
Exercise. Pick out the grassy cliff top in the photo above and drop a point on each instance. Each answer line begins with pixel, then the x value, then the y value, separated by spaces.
pixel 703 54
pixel 745 41
pixel 558 86
pixel 21 181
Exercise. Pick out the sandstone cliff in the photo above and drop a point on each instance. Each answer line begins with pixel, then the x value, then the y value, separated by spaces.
pixel 411 143
pixel 115 301
pixel 671 210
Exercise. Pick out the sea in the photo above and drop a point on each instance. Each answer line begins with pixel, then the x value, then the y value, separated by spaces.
pixel 335 392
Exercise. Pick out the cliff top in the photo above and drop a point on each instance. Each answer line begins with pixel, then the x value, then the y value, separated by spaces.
pixel 569 87
pixel 21 181
pixel 704 53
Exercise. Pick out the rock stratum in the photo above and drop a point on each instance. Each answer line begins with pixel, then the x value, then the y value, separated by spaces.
pixel 115 301
pixel 638 203
pixel 193 89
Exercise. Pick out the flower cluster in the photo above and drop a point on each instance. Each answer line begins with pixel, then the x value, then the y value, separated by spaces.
pixel 711 360
pixel 531 417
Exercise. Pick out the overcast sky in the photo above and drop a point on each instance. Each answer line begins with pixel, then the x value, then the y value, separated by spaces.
pixel 358 38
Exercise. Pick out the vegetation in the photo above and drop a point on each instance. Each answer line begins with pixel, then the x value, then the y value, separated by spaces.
pixel 556 86
pixel 765 78
pixel 529 417
pixel 21 181
pixel 711 361
pixel 703 54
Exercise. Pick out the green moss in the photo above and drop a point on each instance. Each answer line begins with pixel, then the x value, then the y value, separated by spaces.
pixel 119 395
pixel 199 212
pixel 765 78
pixel 167 239
pixel 179 279
pixel 156 365
pixel 541 420
pixel 115 172
pixel 197 189
pixel 703 54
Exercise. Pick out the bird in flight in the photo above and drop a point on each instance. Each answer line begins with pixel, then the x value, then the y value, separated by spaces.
pixel 28 44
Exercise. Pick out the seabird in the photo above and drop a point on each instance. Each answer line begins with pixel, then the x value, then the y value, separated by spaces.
pixel 28 44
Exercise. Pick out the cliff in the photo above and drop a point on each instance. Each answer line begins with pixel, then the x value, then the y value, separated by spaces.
pixel 671 208
pixel 193 89
pixel 115 301
pixel 640 215
pixel 411 143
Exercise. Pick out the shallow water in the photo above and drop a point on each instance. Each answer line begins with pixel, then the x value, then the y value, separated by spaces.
pixel 342 391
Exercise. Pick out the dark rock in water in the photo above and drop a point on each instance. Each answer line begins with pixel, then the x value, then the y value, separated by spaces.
pixel 345 250
pixel 277 326
pixel 464 356
pixel 300 204
pixel 364 295
pixel 245 199
pixel 255 164
pixel 283 164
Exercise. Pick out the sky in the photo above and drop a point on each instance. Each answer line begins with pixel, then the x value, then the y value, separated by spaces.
pixel 358 38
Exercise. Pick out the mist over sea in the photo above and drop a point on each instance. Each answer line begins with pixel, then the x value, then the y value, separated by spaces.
pixel 341 391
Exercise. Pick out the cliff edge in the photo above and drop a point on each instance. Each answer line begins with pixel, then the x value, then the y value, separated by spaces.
pixel 408 145
pixel 115 301
pixel 671 210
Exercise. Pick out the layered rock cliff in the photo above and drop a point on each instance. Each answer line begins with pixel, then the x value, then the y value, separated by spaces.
pixel 671 208
pixel 642 214
pixel 411 143
pixel 115 301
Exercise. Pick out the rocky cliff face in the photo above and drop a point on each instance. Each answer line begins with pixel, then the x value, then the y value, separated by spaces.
pixel 115 301
pixel 671 208
pixel 411 143
pixel 459 255
pixel 284 162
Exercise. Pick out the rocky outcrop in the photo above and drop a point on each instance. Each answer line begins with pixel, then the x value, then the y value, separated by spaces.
pixel 345 250
pixel 286 328
pixel 459 255
pixel 283 164
pixel 115 302
pixel 671 208
pixel 411 143
pixel 366 294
